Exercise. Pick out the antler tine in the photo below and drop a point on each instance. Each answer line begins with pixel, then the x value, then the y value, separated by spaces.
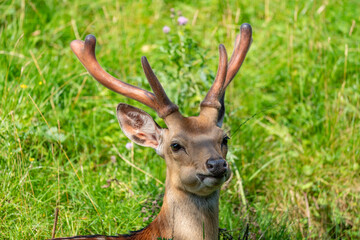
pixel 165 105
pixel 85 51
pixel 212 97
pixel 242 45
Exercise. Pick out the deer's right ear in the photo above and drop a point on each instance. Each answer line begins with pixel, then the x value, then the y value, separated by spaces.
pixel 139 126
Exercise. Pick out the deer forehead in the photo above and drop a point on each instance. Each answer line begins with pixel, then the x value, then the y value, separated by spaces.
pixel 193 130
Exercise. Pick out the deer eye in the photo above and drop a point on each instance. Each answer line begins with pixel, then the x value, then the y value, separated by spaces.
pixel 175 147
pixel 225 141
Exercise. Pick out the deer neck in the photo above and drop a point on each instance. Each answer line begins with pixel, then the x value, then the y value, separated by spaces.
pixel 188 216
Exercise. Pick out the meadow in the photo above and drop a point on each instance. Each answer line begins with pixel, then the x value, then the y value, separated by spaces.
pixel 293 115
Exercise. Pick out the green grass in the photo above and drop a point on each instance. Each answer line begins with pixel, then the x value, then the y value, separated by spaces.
pixel 297 157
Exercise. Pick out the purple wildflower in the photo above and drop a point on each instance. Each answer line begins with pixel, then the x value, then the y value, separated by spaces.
pixel 182 20
pixel 166 29
pixel 129 145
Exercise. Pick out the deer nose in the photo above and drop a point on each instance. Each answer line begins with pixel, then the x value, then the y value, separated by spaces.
pixel 217 167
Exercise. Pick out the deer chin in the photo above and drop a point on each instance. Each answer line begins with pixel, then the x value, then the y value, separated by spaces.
pixel 208 184
pixel 211 181
pixel 190 182
pixel 203 185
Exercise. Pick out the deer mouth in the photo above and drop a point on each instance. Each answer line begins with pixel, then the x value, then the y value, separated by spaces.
pixel 211 181
pixel 202 177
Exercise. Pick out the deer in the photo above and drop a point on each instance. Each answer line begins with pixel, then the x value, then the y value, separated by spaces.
pixel 194 148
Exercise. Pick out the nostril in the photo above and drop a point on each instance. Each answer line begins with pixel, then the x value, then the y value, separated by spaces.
pixel 209 166
pixel 225 164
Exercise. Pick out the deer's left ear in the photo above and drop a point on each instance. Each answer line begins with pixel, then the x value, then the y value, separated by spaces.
pixel 139 126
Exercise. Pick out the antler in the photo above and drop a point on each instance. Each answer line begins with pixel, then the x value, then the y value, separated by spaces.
pixel 226 72
pixel 212 97
pixel 159 101
pixel 242 45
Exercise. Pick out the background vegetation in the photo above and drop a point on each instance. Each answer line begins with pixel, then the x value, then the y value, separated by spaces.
pixel 292 111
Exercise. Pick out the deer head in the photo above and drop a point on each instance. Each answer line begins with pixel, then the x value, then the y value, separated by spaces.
pixel 194 148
